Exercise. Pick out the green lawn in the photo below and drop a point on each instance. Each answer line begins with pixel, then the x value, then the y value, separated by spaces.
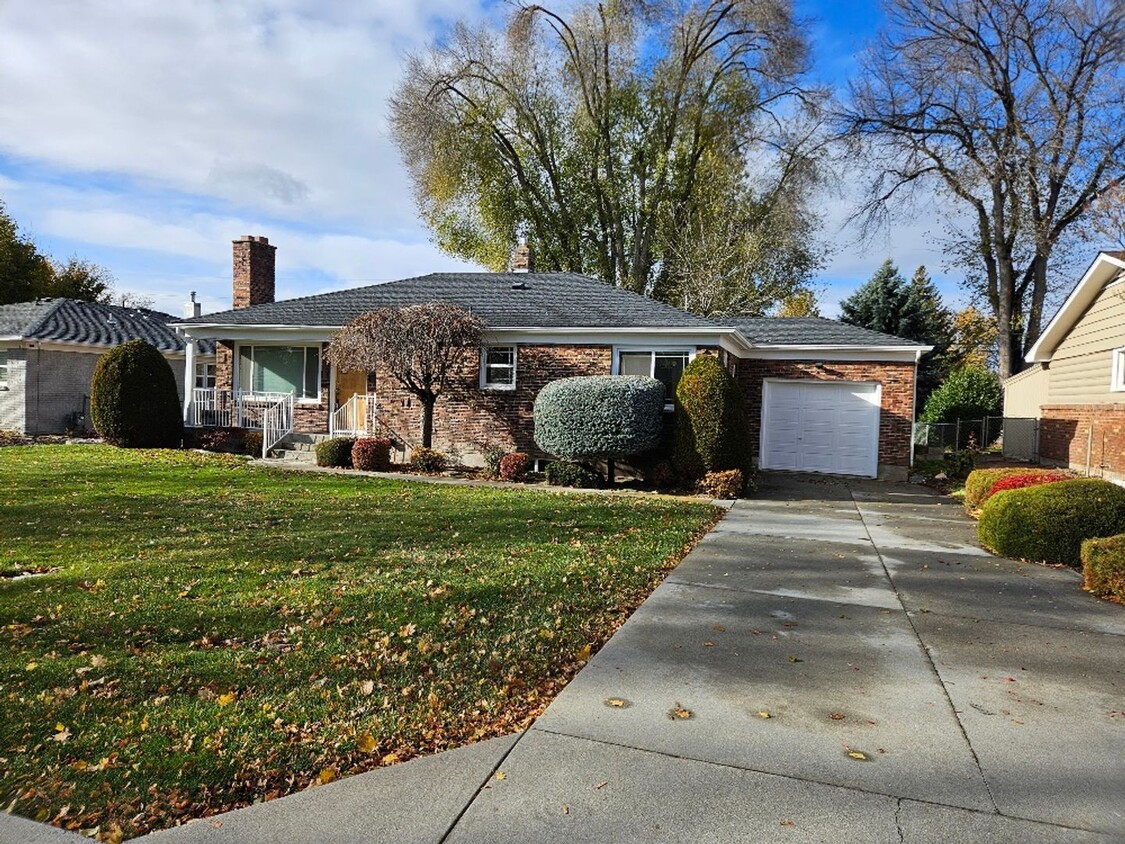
pixel 210 633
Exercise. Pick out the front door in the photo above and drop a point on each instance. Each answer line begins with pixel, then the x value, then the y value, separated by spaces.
pixel 350 384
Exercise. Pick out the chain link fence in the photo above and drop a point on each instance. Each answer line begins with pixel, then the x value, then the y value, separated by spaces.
pixel 1016 438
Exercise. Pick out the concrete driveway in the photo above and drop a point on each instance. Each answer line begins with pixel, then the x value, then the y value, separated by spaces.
pixel 835 661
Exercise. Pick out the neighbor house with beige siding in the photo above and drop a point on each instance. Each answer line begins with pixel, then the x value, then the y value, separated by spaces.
pixel 1075 382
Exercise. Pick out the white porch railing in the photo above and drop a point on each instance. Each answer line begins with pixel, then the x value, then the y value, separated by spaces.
pixel 213 408
pixel 277 422
pixel 353 417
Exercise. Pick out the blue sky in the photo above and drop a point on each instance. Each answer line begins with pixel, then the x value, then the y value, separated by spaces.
pixel 146 136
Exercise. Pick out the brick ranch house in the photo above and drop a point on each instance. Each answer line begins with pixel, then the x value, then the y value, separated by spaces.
pixel 821 396
pixel 1075 380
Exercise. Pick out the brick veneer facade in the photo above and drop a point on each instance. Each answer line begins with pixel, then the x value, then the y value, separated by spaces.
pixel 1065 435
pixel 896 413
pixel 466 417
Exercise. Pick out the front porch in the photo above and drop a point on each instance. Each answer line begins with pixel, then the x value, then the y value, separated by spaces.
pixel 277 414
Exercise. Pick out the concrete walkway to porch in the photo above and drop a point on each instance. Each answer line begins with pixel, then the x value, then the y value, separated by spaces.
pixel 834 661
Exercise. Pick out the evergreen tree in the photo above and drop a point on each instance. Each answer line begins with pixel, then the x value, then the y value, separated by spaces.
pixel 913 311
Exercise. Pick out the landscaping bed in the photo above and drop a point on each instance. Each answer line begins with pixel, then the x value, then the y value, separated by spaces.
pixel 201 633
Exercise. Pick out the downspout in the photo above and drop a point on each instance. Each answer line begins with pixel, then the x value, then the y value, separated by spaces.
pixel 914 411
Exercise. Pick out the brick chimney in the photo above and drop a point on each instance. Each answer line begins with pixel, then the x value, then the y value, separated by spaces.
pixel 523 258
pixel 253 271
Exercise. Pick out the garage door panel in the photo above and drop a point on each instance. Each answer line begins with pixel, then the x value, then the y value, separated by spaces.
pixel 818 426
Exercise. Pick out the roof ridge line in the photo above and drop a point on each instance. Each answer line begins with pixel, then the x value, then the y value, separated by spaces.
pixel 56 303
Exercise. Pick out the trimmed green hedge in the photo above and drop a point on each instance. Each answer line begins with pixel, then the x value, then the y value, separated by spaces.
pixel 134 401
pixel 566 473
pixel 979 482
pixel 1103 567
pixel 1049 523
pixel 335 452
pixel 596 416
pixel 711 431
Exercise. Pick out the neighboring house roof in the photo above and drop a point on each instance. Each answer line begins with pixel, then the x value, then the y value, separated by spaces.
pixel 502 300
pixel 1106 268
pixel 812 331
pixel 78 322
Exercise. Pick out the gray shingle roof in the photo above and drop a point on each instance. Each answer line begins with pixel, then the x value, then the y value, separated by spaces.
pixel 546 300
pixel 810 331
pixel 76 321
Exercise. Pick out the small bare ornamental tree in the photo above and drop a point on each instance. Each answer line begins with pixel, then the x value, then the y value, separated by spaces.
pixel 422 346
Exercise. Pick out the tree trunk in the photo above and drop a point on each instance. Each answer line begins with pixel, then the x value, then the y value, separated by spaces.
pixel 428 422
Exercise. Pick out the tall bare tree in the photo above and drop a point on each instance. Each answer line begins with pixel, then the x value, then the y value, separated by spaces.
pixel 422 346
pixel 1013 110
pixel 591 131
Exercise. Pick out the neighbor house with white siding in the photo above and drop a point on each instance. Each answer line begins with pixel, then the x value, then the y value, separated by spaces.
pixel 1075 381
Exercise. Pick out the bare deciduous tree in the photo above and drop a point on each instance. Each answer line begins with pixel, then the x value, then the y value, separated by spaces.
pixel 1014 111
pixel 421 346
pixel 592 132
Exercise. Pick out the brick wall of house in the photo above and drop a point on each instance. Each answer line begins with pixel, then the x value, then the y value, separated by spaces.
pixel 466 418
pixel 1067 432
pixel 897 410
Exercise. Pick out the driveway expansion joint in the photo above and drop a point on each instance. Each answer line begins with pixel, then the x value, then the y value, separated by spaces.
pixel 929 659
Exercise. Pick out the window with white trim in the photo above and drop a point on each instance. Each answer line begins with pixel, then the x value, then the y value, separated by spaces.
pixel 498 368
pixel 3 369
pixel 1117 384
pixel 280 369
pixel 665 366
pixel 204 375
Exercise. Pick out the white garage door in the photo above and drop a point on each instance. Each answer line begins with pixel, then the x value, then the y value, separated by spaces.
pixel 821 426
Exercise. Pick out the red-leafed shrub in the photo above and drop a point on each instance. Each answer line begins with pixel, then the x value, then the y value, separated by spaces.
pixel 1025 480
pixel 515 466
pixel 372 454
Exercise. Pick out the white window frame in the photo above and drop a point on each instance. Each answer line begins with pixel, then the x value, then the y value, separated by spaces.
pixel 240 347
pixel 485 384
pixel 4 364
pixel 1117 381
pixel 669 401
pixel 205 371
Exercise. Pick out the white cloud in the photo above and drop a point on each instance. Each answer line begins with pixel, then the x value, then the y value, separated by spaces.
pixel 278 106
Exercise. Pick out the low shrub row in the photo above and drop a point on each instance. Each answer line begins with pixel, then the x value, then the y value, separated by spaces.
pixel 1048 523
pixel 577 475
pixel 979 483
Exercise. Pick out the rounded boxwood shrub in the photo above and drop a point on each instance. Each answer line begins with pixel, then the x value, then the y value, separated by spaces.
pixel 428 460
pixel 1103 567
pixel 568 473
pixel 979 483
pixel 134 401
pixel 372 454
pixel 971 392
pixel 1048 523
pixel 594 416
pixel 711 432
pixel 1027 479
pixel 335 452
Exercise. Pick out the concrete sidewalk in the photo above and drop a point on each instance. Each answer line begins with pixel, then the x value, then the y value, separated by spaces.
pixel 834 660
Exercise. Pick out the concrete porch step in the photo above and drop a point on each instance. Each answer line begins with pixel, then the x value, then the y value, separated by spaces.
pixel 293 455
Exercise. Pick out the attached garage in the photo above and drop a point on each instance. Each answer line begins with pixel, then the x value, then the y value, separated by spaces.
pixel 821 426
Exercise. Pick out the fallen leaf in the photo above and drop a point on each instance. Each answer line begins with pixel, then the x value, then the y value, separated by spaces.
pixel 367 687
pixel 366 743
pixel 718 628
pixel 406 631
pixel 62 734
pixel 836 716
pixel 615 702
pixel 679 713
pixel 225 699
pixel 326 776
pixel 708 644
pixel 795 659
pixel 389 759
pixel 857 754
pixel 31 666
pixel 601 784
pixel 762 713
pixel 566 809
pixel 500 775
pixel 97 661
pixel 583 653
pixel 787 822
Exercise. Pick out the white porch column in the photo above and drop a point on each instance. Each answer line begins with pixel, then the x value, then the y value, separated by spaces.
pixel 189 376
